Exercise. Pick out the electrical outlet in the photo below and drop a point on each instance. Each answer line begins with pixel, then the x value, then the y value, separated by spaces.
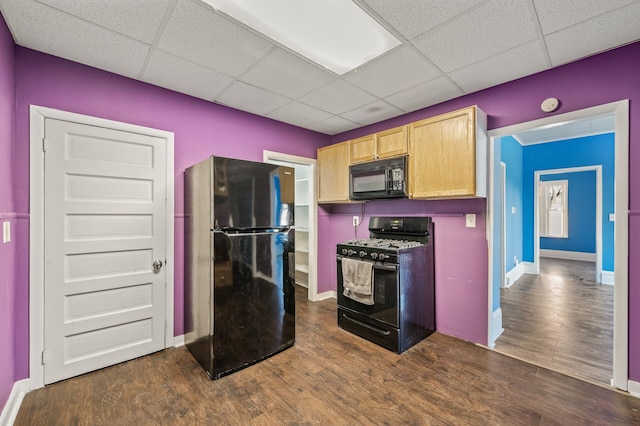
pixel 471 220
pixel 515 261
pixel 356 220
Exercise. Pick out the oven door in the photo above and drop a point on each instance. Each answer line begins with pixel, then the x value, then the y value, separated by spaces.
pixel 385 294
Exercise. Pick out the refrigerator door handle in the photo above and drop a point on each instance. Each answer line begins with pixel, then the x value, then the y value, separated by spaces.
pixel 244 234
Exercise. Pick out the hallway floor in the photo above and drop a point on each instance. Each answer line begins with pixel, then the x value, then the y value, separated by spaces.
pixel 561 319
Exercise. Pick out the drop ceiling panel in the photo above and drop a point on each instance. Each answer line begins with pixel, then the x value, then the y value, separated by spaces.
pixel 298 114
pixel 414 17
pixel 493 27
pixel 286 73
pixel 372 113
pixel 394 72
pixel 337 97
pixel 425 94
pixel 251 99
pixel 49 30
pixel 611 29
pixel 200 35
pixel 521 61
pixel 333 125
pixel 555 15
pixel 139 19
pixel 166 70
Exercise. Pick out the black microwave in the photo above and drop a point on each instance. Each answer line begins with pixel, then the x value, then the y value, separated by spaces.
pixel 378 179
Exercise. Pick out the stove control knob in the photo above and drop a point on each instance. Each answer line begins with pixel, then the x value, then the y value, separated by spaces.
pixel 383 256
pixel 350 252
pixel 374 255
pixel 362 253
pixel 344 251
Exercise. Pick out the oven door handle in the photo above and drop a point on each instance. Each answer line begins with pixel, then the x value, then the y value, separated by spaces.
pixel 391 267
pixel 385 266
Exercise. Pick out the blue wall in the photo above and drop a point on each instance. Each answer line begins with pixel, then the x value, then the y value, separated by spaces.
pixel 587 151
pixel 512 156
pixel 582 213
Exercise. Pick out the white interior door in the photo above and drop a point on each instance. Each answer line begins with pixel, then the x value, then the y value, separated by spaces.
pixel 104 226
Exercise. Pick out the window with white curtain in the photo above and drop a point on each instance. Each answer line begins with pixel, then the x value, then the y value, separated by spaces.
pixel 554 215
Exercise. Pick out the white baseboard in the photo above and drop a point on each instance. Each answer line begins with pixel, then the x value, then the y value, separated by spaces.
pixel 529 268
pixel 178 341
pixel 634 388
pixel 496 327
pixel 327 295
pixel 514 275
pixel 10 411
pixel 606 277
pixel 569 255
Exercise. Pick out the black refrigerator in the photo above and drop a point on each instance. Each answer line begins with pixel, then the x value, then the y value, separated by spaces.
pixel 239 263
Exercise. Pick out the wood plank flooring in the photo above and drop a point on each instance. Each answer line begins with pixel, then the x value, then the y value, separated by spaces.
pixel 561 319
pixel 331 377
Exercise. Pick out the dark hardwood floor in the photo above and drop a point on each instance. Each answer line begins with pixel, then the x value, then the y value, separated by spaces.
pixel 332 377
pixel 561 319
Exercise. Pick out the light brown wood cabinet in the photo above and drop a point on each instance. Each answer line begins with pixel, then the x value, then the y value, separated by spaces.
pixel 388 143
pixel 447 155
pixel 333 173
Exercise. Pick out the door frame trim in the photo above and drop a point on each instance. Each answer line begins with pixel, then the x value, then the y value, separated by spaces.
pixel 312 283
pixel 537 175
pixel 37 116
pixel 620 109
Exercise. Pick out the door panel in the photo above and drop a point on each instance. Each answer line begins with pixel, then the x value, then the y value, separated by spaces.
pixel 104 227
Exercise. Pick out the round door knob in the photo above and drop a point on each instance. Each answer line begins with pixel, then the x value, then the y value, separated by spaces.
pixel 157 265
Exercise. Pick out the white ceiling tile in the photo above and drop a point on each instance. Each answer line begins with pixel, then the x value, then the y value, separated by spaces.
pixel 491 28
pixel 333 125
pixel 555 15
pixel 197 33
pixel 139 19
pixel 394 72
pixel 414 17
pixel 251 99
pixel 49 30
pixel 171 72
pixel 506 66
pixel 595 35
pixel 298 114
pixel 286 73
pixel 426 94
pixel 372 113
pixel 337 97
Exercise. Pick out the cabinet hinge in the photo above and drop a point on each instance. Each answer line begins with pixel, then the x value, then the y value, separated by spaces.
pixel 44 144
pixel 43 357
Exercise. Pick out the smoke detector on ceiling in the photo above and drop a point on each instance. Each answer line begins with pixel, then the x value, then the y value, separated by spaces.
pixel 550 105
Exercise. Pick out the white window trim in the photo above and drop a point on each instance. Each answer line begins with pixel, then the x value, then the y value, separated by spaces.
pixel 543 207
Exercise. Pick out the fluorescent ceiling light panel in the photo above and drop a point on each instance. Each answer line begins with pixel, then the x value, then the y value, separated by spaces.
pixel 336 34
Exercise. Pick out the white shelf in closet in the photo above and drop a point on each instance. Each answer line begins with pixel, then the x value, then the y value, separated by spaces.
pixel 302 268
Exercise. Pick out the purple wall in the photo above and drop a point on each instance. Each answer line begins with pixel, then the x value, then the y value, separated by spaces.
pixel 461 255
pixel 608 77
pixel 8 250
pixel 201 129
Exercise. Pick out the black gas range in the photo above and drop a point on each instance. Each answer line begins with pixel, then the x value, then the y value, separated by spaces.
pixel 386 283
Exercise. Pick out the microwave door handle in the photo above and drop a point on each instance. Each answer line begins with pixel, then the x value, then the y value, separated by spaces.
pixel 389 180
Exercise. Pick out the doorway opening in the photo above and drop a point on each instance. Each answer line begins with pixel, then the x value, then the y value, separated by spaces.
pixel 305 216
pixel 530 263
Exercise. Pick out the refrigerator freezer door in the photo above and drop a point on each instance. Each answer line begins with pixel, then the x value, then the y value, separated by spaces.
pixel 254 298
pixel 250 195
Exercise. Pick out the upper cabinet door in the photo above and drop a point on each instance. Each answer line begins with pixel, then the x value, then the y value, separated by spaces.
pixel 392 142
pixel 442 156
pixel 333 173
pixel 363 149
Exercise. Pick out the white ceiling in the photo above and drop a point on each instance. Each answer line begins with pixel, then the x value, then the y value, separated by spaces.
pixel 449 48
pixel 596 125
